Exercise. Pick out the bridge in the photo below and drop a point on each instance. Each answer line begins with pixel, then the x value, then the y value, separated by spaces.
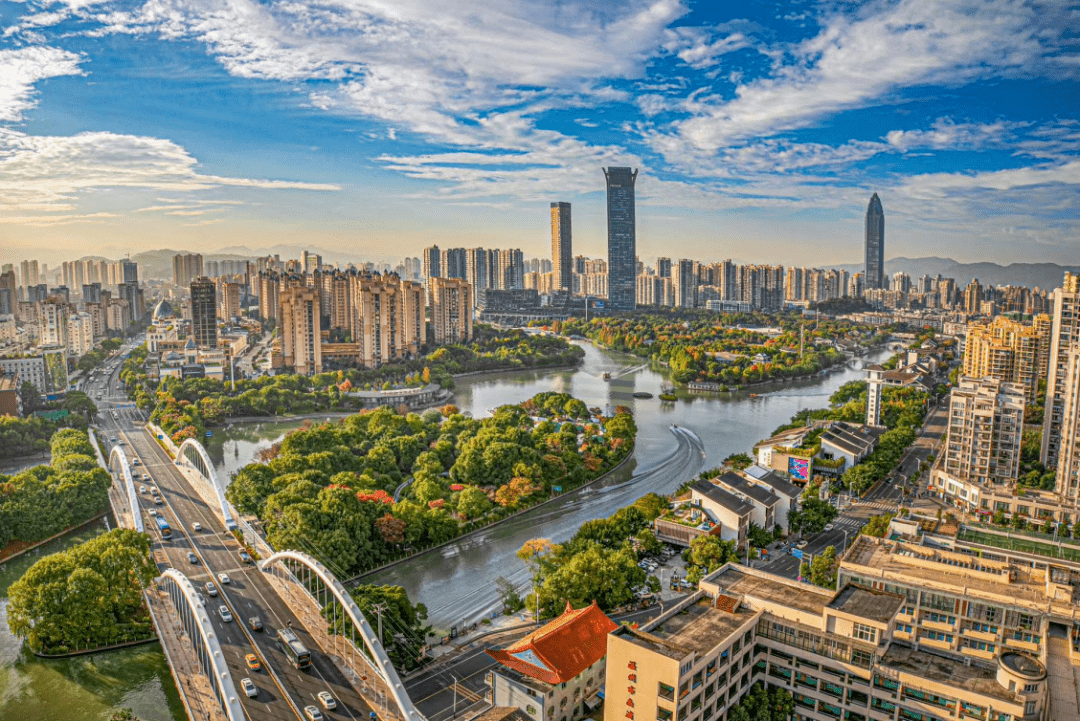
pixel 118 463
pixel 191 454
pixel 201 634
pixel 306 579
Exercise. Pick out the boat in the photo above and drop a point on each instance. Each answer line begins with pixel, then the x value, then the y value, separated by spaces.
pixel 754 395
pixel 642 394
pixel 606 376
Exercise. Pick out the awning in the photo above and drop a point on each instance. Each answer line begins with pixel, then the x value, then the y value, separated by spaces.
pixel 593 701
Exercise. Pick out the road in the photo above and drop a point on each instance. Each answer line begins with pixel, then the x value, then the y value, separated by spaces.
pixel 885 497
pixel 249 593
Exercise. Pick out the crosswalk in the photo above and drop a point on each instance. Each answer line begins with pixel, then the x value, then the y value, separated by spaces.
pixel 884 506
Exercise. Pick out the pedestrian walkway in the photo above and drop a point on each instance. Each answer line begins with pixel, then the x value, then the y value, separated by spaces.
pixel 1064 679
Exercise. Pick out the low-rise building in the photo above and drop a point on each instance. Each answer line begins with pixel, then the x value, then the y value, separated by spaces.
pixel 10 400
pixel 732 513
pixel 556 673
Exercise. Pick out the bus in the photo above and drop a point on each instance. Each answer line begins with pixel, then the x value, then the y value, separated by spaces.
pixel 163 526
pixel 299 656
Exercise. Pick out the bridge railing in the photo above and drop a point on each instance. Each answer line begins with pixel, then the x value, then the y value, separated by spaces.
pixel 192 453
pixel 118 456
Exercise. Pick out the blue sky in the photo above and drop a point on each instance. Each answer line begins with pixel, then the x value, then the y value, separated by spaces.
pixel 375 127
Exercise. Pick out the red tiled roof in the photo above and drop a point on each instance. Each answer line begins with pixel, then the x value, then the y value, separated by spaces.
pixel 561 649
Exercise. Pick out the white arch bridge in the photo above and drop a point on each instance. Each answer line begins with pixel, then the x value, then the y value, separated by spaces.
pixel 191 454
pixel 306 578
pixel 118 463
pixel 200 631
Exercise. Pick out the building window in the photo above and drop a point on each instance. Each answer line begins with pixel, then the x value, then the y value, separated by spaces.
pixel 666 692
pixel 663 714
pixel 1029 708
pixel 865 633
pixel 860 658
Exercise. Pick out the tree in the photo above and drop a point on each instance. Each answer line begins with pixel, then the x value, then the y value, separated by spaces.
pixel 124 714
pixel 508 594
pixel 648 541
pixel 391 529
pixel 710 552
pixel 759 537
pixel 822 568
pixel 877 525
pixel 403 629
pixel 652 505
pixel 473 503
pixel 812 516
pixel 30 397
pixel 776 704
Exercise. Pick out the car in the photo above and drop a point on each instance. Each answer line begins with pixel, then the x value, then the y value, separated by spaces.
pixel 120 442
pixel 255 623
pixel 202 598
pixel 211 589
pixel 224 612
pixel 224 579
pixel 252 662
pixel 829 526
pixel 249 687
pixel 158 501
pixel 245 556
pixel 196 526
pixel 153 490
pixel 327 700
pixel 192 557
pixel 113 439
pixel 311 713
pixel 802 544
pixel 146 476
pixel 152 512
pixel 142 489
pixel 134 461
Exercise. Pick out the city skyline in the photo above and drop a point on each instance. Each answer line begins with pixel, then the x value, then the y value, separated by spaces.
pixel 759 131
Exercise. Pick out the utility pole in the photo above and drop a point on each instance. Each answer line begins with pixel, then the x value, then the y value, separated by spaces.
pixel 379 608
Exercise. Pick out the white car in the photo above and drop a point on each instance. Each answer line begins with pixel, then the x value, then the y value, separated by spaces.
pixel 327 700
pixel 196 526
pixel 224 579
pixel 249 687
pixel 152 512
pixel 202 598
pixel 224 612
pixel 211 588
pixel 829 526
pixel 142 489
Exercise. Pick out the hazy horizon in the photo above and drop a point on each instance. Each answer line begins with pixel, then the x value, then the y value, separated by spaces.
pixel 760 130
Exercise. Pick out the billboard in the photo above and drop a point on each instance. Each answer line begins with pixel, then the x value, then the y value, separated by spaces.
pixel 799 468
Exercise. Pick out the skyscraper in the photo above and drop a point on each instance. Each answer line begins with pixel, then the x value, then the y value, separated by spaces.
pixel 875 244
pixel 451 310
pixel 204 312
pixel 562 256
pixel 301 345
pixel 622 238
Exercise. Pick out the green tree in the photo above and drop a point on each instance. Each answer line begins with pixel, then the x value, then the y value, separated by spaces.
pixel 812 517
pixel 877 525
pixel 775 704
pixel 473 503
pixel 508 594
pixel 652 505
pixel 710 552
pixel 822 568
pixel 403 629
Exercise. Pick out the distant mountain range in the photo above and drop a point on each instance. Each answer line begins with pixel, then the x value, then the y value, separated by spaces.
pixel 1046 276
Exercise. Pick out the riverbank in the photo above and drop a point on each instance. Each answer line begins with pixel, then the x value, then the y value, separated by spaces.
pixel 465 536
pixel 492 371
pixel 6 556
pixel 99 649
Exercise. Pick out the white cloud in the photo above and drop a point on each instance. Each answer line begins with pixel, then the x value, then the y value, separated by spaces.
pixel 21 68
pixel 863 56
pixel 701 48
pixel 948 135
pixel 52 173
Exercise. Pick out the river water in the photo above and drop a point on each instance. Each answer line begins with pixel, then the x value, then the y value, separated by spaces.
pixel 83 688
pixel 457 582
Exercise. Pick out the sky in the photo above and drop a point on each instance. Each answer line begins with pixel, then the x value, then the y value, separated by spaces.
pixel 377 127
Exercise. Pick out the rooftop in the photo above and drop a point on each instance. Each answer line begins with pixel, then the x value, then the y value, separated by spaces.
pixel 774 481
pixel 867 603
pixel 737 581
pixel 723 498
pixel 760 494
pixel 698 628
pixel 956 573
pixel 947 670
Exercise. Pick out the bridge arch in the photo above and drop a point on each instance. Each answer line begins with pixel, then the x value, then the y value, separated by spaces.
pixel 193 453
pixel 380 665
pixel 201 632
pixel 118 457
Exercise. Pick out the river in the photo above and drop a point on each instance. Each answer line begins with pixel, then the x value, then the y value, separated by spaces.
pixel 456 583
pixel 82 688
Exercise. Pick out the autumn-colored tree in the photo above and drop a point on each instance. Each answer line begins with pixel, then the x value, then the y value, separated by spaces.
pixel 391 529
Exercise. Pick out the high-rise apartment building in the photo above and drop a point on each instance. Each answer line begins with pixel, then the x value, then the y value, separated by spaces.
pixel 186 268
pixel 1068 465
pixel 53 325
pixel 973 296
pixel 562 256
pixel 1064 337
pixel 622 238
pixel 268 287
pixel 511 269
pixel 874 276
pixel 1008 350
pixel 431 262
pixel 80 334
pixel 230 300
pixel 30 274
pixel 389 318
pixel 684 281
pixel 451 310
pixel 476 271
pixel 204 312
pixel 663 267
pixel 301 329
pixel 453 262
pixel 986 426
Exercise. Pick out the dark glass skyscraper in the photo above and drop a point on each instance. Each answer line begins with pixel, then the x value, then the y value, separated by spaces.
pixel 204 312
pixel 621 239
pixel 875 244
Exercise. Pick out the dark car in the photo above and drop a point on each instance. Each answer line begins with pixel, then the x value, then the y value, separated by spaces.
pixel 245 557
pixel 256 623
